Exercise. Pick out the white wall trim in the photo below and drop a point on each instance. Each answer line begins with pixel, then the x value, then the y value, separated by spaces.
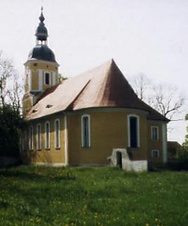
pixel 30 80
pixel 66 139
pixel 40 82
pixel 53 78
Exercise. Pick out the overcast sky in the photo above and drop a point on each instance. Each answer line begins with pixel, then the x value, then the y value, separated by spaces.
pixel 142 36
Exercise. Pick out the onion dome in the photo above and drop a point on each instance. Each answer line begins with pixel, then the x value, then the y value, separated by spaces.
pixel 41 32
pixel 42 52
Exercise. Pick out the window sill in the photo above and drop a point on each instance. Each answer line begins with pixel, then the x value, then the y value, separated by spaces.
pixel 57 148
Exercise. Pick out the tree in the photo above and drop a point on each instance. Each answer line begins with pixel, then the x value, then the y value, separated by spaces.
pixel 10 118
pixel 61 78
pixel 10 86
pixel 165 98
pixel 141 84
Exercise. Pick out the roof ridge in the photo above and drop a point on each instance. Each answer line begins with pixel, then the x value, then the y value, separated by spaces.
pixel 69 107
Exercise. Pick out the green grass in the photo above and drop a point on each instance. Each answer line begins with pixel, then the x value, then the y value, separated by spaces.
pixel 31 195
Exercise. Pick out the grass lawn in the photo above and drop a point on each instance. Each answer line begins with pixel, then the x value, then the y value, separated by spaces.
pixel 31 195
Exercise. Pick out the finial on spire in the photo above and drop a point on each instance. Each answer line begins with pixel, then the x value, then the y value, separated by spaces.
pixel 41 18
pixel 41 32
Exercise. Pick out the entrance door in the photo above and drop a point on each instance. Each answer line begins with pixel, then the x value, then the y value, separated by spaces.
pixel 119 159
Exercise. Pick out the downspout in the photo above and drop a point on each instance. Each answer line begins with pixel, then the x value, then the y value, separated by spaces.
pixel 65 139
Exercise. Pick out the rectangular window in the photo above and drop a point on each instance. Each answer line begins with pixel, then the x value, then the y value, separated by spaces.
pixel 155 153
pixel 154 133
pixel 85 123
pixel 47 135
pixel 57 133
pixel 31 137
pixel 39 137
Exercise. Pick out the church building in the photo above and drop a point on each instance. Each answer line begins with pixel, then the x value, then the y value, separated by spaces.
pixel 81 120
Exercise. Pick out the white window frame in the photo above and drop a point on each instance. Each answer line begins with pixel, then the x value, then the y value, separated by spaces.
pixel 47 136
pixel 38 136
pixel 54 78
pixel 155 153
pixel 86 143
pixel 57 134
pixel 31 138
pixel 154 136
pixel 129 130
pixel 40 85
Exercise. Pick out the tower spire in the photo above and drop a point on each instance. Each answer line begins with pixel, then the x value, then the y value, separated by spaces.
pixel 41 32
pixel 41 18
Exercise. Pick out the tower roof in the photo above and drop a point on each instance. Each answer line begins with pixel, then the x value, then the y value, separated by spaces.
pixel 41 31
pixel 102 87
pixel 41 51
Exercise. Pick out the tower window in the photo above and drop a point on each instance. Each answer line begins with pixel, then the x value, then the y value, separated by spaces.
pixel 47 78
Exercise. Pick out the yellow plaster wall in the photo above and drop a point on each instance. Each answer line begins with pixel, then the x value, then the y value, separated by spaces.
pixel 108 131
pixel 51 67
pixel 155 144
pixel 34 67
pixel 27 102
pixel 52 155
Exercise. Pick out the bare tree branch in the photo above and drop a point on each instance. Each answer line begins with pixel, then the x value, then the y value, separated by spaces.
pixel 165 98
pixel 10 87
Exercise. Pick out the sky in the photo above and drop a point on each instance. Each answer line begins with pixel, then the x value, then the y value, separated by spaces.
pixel 142 36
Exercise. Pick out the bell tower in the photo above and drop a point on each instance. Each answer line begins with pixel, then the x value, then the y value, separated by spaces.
pixel 41 68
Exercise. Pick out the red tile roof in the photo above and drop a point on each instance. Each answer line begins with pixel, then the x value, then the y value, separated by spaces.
pixel 104 86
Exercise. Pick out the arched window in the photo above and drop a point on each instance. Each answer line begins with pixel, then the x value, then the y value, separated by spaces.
pixel 57 133
pixel 85 131
pixel 31 137
pixel 38 136
pixel 47 78
pixel 47 135
pixel 133 131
